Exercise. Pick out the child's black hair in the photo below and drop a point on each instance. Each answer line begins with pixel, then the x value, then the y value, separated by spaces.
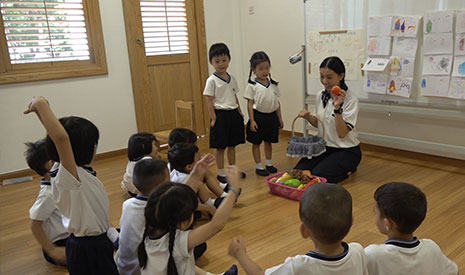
pixel 218 49
pixel 148 174
pixel 170 204
pixel 335 64
pixel 182 154
pixel 257 58
pixel 181 135
pixel 403 203
pixel 326 211
pixel 140 145
pixel 36 156
pixel 83 136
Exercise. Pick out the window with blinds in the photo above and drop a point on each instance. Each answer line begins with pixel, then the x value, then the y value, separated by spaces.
pixel 44 30
pixel 164 24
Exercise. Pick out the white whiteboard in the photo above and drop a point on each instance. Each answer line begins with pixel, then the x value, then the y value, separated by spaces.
pixel 322 15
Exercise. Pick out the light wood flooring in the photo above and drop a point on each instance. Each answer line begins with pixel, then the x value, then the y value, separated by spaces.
pixel 269 224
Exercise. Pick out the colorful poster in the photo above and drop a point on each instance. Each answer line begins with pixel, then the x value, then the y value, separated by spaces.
pixel 460 21
pixel 438 21
pixel 457 88
pixel 405 26
pixel 379 26
pixel 376 83
pixel 460 44
pixel 401 66
pixel 400 86
pixel 459 66
pixel 379 46
pixel 404 46
pixel 438 43
pixel 435 86
pixel 437 64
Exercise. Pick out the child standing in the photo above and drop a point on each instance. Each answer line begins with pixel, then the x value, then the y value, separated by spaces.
pixel 264 109
pixel 139 145
pixel 46 222
pixel 81 197
pixel 226 118
pixel 167 246
pixel 399 209
pixel 326 214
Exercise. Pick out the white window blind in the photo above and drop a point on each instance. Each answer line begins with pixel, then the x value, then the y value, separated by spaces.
pixel 44 30
pixel 164 24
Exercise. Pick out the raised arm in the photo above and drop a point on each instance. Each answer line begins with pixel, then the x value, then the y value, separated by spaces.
pixel 238 251
pixel 55 130
pixel 341 126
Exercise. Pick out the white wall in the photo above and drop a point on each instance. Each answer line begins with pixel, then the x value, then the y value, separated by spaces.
pixel 105 100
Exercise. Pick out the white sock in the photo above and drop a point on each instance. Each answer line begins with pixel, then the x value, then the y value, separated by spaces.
pixel 222 172
pixel 222 185
pixel 259 166
pixel 268 162
pixel 210 201
pixel 224 194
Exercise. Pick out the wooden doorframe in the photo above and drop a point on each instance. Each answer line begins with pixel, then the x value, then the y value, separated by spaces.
pixel 141 88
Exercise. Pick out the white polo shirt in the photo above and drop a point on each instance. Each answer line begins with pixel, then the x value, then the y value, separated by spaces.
pixel 415 257
pixel 44 210
pixel 158 254
pixel 132 226
pixel 353 261
pixel 326 114
pixel 176 176
pixel 265 97
pixel 223 91
pixel 84 202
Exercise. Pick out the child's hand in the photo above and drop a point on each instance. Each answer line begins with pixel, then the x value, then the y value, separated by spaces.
pixel 236 246
pixel 339 99
pixel 202 166
pixel 253 126
pixel 212 122
pixel 211 209
pixel 233 177
pixel 32 106
pixel 281 124
pixel 58 254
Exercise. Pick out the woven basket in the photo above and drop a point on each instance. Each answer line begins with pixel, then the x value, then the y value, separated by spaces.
pixel 307 147
pixel 287 191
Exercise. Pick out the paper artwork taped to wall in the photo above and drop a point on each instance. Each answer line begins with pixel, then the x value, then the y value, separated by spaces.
pixel 438 21
pixel 405 26
pixel 401 66
pixel 459 66
pixel 376 83
pixel 460 21
pixel 457 88
pixel 399 86
pixel 404 46
pixel 438 43
pixel 379 26
pixel 435 86
pixel 437 64
pixel 379 46
pixel 460 44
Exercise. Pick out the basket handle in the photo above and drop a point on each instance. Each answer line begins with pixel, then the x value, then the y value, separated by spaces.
pixel 321 122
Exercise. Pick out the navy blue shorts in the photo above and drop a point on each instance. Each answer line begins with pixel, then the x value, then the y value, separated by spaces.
pixel 228 130
pixel 268 128
pixel 59 243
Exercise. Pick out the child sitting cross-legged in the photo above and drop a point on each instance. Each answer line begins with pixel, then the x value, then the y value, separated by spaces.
pixel 399 209
pixel 326 215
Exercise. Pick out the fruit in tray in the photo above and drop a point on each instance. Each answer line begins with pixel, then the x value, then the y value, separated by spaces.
pixel 296 178
pixel 336 90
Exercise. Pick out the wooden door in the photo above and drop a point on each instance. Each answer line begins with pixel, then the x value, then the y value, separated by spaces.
pixel 159 80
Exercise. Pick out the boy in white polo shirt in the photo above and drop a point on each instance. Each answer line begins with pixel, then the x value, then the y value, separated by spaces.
pixel 399 209
pixel 326 214
pixel 226 118
pixel 46 221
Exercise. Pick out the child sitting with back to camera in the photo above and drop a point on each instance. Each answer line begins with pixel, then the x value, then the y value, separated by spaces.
pixel 326 214
pixel 46 220
pixel 167 246
pixel 79 195
pixel 184 135
pixel 140 145
pixel 399 209
pixel 264 109
pixel 182 158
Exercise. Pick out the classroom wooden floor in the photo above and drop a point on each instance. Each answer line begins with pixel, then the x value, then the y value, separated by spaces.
pixel 269 224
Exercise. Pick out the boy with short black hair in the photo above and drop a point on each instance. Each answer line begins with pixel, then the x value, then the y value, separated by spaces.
pixel 149 173
pixel 46 221
pixel 326 215
pixel 181 135
pixel 399 209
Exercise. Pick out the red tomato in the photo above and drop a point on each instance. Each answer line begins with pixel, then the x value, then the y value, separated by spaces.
pixel 336 90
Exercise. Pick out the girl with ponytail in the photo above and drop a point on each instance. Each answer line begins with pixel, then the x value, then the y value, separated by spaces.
pixel 167 248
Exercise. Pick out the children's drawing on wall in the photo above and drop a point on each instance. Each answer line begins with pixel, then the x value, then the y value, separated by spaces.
pixel 376 83
pixel 460 44
pixel 438 43
pixel 401 66
pixel 435 86
pixel 457 88
pixel 439 21
pixel 379 46
pixel 379 26
pixel 459 66
pixel 460 21
pixel 400 86
pixel 437 64
pixel 405 26
pixel 404 46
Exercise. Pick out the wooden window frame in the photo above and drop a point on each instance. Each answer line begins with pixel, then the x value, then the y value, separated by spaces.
pixel 97 65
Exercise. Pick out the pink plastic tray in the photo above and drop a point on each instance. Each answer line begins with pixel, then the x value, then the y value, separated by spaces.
pixel 287 191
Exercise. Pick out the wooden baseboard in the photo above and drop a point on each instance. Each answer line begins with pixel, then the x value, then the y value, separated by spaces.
pixel 29 172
